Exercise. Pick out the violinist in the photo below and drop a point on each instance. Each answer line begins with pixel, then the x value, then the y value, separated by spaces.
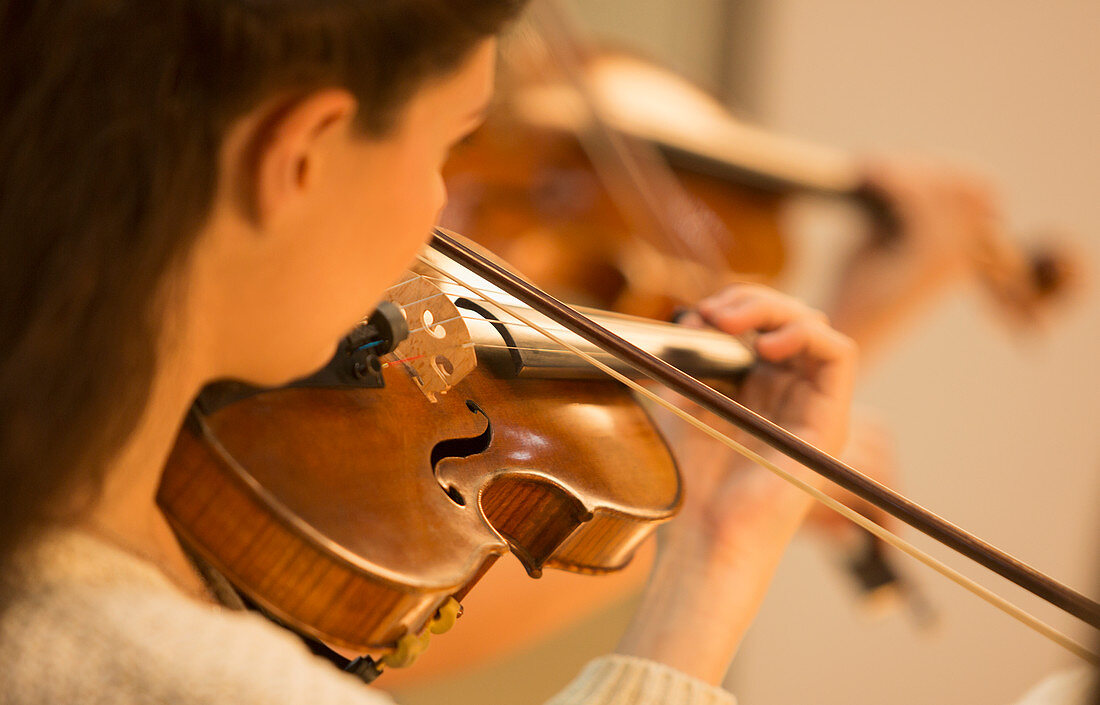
pixel 195 191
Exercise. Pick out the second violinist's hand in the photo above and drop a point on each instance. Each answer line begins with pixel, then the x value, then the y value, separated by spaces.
pixel 717 557
pixel 870 450
pixel 948 221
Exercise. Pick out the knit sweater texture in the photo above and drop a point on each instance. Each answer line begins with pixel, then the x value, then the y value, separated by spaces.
pixel 89 624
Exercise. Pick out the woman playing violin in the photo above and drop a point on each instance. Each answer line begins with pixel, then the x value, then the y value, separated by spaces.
pixel 195 191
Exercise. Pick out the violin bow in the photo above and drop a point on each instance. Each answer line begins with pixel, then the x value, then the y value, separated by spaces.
pixel 660 210
pixel 649 195
pixel 889 501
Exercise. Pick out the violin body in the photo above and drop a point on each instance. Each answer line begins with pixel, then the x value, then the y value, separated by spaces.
pixel 531 194
pixel 539 185
pixel 353 515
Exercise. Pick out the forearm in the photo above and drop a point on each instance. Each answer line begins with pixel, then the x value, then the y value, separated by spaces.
pixel 704 591
pixel 716 559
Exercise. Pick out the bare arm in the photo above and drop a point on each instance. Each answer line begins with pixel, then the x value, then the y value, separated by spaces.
pixel 716 559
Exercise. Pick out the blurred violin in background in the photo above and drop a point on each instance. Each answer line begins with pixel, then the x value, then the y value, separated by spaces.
pixel 618 184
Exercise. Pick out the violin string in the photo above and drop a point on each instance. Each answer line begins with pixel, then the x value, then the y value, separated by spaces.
pixel 427 278
pixel 519 348
pixel 471 295
pixel 420 301
pixel 510 323
pixel 992 598
pixel 515 348
pixel 472 292
pixel 398 285
pixel 481 319
pixel 638 179
pixel 483 346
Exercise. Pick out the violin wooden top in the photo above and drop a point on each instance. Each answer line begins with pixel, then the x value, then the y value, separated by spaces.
pixel 327 511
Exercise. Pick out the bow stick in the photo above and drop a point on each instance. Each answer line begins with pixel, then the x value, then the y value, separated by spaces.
pixel 916 516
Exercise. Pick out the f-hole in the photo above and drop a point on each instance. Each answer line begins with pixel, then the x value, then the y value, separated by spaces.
pixel 462 448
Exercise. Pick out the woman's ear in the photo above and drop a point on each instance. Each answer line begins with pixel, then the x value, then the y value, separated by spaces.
pixel 287 148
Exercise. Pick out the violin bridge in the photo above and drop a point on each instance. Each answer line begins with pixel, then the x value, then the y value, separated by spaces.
pixel 439 351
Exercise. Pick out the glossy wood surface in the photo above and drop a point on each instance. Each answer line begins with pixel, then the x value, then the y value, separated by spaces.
pixel 324 507
pixel 532 195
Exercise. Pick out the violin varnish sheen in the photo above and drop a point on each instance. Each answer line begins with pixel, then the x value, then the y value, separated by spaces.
pixel 351 515
pixel 545 526
pixel 294 580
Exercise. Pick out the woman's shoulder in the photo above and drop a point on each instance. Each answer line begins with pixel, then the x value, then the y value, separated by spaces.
pixel 84 622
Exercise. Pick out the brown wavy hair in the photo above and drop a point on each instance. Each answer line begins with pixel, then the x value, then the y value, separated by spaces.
pixel 111 115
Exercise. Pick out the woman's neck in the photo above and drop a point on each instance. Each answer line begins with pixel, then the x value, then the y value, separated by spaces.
pixel 125 512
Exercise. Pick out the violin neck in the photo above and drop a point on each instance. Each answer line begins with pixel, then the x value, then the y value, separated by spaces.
pixel 778 173
pixel 513 348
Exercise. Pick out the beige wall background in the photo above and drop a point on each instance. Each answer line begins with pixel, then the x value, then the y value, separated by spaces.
pixel 996 432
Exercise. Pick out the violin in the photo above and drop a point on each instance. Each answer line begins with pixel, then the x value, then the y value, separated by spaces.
pixel 618 184
pixel 354 505
pixel 360 505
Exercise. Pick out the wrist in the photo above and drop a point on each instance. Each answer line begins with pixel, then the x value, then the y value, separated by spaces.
pixel 761 512
pixel 693 548
pixel 688 619
pixel 702 597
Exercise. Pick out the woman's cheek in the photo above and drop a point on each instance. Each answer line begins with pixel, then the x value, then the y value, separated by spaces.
pixel 426 203
pixel 439 196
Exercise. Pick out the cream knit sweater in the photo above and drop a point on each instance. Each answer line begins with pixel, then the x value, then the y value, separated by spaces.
pixel 90 624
